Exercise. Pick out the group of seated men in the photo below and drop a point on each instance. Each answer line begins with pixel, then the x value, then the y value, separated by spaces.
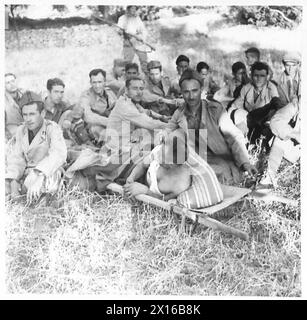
pixel 122 116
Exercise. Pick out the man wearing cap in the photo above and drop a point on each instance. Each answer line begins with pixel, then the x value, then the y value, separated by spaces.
pixel 34 164
pixel 117 79
pixel 13 116
pixel 97 103
pixel 289 81
pixel 256 104
pixel 182 63
pixel 132 24
pixel 211 132
pixel 55 107
pixel 157 95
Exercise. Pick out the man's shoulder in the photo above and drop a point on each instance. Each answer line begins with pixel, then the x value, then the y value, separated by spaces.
pixel 109 92
pixel 247 87
pixel 51 126
pixel 87 93
pixel 213 107
pixel 21 130
pixel 124 100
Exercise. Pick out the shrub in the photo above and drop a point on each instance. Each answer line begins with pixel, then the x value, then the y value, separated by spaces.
pixel 282 16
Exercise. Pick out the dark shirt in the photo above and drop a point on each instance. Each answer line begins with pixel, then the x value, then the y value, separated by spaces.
pixel 58 110
pixel 194 121
pixel 31 136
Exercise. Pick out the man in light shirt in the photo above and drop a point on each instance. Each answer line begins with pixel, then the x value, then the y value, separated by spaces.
pixel 133 25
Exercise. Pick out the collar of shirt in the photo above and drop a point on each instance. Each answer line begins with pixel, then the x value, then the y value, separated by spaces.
pixel 98 97
pixel 50 106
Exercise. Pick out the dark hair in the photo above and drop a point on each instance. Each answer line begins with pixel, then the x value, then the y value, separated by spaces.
pixel 128 81
pixel 95 72
pixel 182 58
pixel 202 65
pixel 39 105
pixel 10 74
pixel 54 82
pixel 258 65
pixel 253 50
pixel 237 66
pixel 131 65
pixel 190 74
pixel 129 7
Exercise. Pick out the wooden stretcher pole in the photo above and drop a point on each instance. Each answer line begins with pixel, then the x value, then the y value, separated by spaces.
pixel 206 221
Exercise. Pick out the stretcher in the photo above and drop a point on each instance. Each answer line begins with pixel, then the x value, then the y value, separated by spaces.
pixel 201 216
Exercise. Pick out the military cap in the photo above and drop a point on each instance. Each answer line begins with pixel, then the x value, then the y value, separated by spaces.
pixel 189 74
pixel 153 64
pixel 119 62
pixel 291 57
pixel 182 58
pixel 29 97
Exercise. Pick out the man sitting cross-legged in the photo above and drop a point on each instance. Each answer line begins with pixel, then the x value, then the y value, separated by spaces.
pixel 97 103
pixel 157 94
pixel 35 162
pixel 129 131
pixel 257 102
pixel 211 132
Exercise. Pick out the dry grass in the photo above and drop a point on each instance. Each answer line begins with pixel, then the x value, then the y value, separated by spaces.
pixel 101 245
pixel 95 244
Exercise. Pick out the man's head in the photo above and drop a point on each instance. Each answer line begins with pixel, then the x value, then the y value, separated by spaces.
pixel 203 69
pixel 260 74
pixel 119 67
pixel 97 80
pixel 252 55
pixel 154 71
pixel 132 70
pixel 239 71
pixel 191 85
pixel 135 88
pixel 131 11
pixel 10 82
pixel 31 108
pixel 55 88
pixel 291 63
pixel 182 63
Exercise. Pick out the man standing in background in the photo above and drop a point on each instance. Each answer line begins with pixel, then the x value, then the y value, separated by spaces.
pixel 132 24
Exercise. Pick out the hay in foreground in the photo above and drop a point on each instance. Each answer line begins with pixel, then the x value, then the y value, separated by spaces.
pixel 97 244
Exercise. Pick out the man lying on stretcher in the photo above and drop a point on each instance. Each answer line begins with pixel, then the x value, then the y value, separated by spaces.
pixel 174 171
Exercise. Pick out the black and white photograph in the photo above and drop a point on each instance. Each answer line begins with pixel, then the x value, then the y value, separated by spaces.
pixel 152 149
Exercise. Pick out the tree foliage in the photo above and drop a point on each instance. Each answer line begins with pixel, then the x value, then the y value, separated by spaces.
pixel 282 16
